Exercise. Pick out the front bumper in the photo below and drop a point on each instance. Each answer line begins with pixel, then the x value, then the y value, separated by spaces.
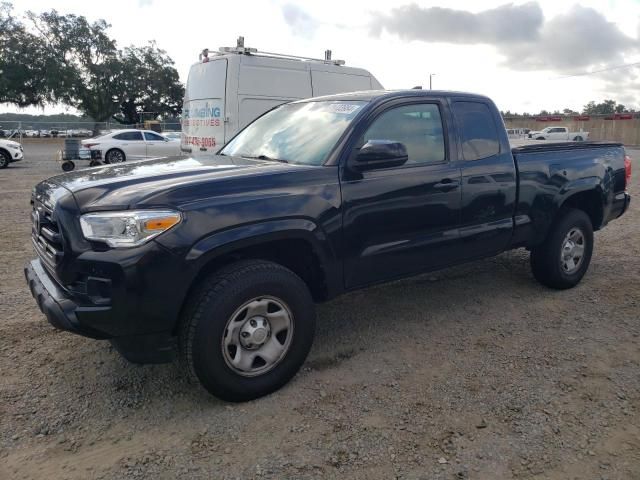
pixel 61 311
pixel 64 313
pixel 16 155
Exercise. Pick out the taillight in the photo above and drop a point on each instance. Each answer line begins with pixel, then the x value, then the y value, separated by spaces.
pixel 627 170
pixel 89 145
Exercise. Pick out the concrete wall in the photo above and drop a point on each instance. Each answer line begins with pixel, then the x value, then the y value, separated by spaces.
pixel 623 131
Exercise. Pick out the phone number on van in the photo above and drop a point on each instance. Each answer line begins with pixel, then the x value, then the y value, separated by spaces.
pixel 200 141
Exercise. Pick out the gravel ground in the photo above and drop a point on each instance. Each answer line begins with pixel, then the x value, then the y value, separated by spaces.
pixel 476 372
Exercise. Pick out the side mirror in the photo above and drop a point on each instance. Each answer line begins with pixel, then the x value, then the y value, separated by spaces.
pixel 381 154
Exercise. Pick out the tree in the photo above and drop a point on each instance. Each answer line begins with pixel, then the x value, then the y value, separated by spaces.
pixel 28 74
pixel 67 59
pixel 91 79
pixel 151 84
pixel 604 108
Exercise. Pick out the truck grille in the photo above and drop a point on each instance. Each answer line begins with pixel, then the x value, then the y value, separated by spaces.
pixel 46 234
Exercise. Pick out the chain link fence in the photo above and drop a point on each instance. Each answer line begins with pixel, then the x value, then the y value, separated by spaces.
pixel 49 129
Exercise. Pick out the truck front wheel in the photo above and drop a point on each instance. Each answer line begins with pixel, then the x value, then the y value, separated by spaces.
pixel 563 258
pixel 247 330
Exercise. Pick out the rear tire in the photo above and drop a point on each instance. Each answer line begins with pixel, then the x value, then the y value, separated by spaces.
pixel 219 331
pixel 578 139
pixel 115 155
pixel 563 258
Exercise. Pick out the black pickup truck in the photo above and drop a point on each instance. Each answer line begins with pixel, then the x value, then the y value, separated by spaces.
pixel 222 260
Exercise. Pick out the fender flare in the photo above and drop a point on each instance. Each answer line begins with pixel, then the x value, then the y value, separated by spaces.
pixel 220 243
pixel 579 185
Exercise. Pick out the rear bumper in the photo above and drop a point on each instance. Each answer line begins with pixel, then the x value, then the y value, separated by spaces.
pixel 627 202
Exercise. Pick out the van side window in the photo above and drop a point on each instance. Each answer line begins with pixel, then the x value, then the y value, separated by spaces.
pixel 478 132
pixel 418 127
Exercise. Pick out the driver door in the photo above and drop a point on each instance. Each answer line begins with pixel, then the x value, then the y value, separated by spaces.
pixel 402 220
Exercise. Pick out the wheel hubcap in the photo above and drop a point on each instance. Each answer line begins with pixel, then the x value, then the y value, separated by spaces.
pixel 254 333
pixel 257 336
pixel 572 251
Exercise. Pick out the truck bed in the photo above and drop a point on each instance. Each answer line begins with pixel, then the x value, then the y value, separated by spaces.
pixel 549 173
pixel 544 146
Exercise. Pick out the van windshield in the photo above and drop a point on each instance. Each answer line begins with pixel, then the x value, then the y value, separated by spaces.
pixel 295 133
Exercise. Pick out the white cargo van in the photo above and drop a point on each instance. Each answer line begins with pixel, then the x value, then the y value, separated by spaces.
pixel 230 88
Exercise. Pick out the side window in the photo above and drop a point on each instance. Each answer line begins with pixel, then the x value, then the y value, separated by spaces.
pixel 418 127
pixel 478 132
pixel 128 136
pixel 154 137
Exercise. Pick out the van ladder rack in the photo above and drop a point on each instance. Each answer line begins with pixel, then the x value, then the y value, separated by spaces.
pixel 242 50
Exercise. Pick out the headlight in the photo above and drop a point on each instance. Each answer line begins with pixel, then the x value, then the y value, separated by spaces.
pixel 128 228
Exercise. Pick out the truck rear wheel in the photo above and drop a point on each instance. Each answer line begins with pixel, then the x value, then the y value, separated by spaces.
pixel 247 330
pixel 563 259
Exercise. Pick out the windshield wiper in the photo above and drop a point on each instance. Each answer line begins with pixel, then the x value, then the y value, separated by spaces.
pixel 265 157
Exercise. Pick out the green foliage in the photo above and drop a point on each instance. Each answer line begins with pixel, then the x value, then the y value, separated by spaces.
pixel 604 108
pixel 27 72
pixel 151 84
pixel 55 58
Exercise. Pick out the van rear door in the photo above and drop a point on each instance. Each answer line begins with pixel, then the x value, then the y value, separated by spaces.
pixel 203 112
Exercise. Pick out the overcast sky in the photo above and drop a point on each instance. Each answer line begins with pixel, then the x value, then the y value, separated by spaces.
pixel 519 53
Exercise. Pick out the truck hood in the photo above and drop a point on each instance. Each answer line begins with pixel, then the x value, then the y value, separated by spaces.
pixel 152 181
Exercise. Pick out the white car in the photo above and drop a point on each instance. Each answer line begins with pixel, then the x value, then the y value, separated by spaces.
pixel 121 145
pixel 559 134
pixel 172 135
pixel 10 152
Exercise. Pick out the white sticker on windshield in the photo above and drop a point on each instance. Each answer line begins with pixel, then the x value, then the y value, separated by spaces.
pixel 345 108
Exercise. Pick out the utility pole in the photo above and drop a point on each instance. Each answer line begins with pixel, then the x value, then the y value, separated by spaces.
pixel 430 82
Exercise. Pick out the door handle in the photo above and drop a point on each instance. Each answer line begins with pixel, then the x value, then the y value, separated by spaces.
pixel 446 184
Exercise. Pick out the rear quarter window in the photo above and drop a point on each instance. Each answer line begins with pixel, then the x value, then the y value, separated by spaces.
pixel 478 131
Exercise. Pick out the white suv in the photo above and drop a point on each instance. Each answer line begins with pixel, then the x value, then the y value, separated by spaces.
pixel 10 152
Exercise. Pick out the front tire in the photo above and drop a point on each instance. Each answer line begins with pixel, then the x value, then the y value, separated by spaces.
pixel 5 159
pixel 563 258
pixel 247 330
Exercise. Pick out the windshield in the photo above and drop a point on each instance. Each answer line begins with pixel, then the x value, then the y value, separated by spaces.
pixel 295 133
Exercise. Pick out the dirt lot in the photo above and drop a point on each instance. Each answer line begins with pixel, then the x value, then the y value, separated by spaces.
pixel 476 372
